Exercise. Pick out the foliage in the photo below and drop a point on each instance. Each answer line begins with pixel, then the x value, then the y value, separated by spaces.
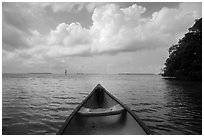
pixel 185 57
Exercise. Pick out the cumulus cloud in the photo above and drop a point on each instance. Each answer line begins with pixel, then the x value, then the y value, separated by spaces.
pixel 91 6
pixel 69 35
pixel 118 29
pixel 113 30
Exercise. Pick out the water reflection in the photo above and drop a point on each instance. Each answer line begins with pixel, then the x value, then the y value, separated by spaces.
pixel 184 106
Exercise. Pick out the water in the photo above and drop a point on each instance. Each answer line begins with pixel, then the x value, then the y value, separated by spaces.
pixel 39 104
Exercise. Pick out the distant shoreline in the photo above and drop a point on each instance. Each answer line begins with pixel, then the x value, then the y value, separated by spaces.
pixel 136 74
pixel 39 73
pixel 88 73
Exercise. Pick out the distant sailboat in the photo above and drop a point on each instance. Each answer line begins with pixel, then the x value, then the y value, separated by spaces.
pixel 65 72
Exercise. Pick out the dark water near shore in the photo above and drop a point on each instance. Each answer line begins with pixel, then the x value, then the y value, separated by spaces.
pixel 39 103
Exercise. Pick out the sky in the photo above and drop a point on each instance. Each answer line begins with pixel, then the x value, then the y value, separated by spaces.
pixel 99 37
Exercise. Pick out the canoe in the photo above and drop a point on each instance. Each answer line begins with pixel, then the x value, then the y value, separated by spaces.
pixel 100 113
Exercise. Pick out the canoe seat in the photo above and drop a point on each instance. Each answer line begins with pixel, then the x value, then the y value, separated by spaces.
pixel 88 112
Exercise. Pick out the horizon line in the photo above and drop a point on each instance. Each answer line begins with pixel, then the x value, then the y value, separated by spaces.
pixel 120 73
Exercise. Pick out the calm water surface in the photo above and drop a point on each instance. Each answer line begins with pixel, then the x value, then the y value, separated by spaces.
pixel 39 104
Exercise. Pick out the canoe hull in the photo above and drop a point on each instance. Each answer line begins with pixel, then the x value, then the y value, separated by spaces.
pixel 125 123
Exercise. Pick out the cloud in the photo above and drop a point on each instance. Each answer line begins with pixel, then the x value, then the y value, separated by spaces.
pixel 13 39
pixel 16 26
pixel 91 6
pixel 20 16
pixel 68 7
pixel 71 6
pixel 113 30
pixel 118 29
pixel 69 35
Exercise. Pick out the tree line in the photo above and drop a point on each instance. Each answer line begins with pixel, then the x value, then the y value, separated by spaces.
pixel 185 57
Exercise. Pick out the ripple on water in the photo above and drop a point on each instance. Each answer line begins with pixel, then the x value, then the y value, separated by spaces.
pixel 84 93
pixel 52 123
pixel 62 97
pixel 19 128
pixel 146 110
pixel 155 129
pixel 6 120
pixel 141 104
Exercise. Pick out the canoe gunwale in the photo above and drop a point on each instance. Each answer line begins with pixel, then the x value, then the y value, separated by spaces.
pixel 63 127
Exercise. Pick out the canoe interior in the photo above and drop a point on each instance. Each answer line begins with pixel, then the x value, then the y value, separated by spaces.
pixel 120 124
pixel 99 99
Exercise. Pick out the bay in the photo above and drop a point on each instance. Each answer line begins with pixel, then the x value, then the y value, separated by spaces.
pixel 40 103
